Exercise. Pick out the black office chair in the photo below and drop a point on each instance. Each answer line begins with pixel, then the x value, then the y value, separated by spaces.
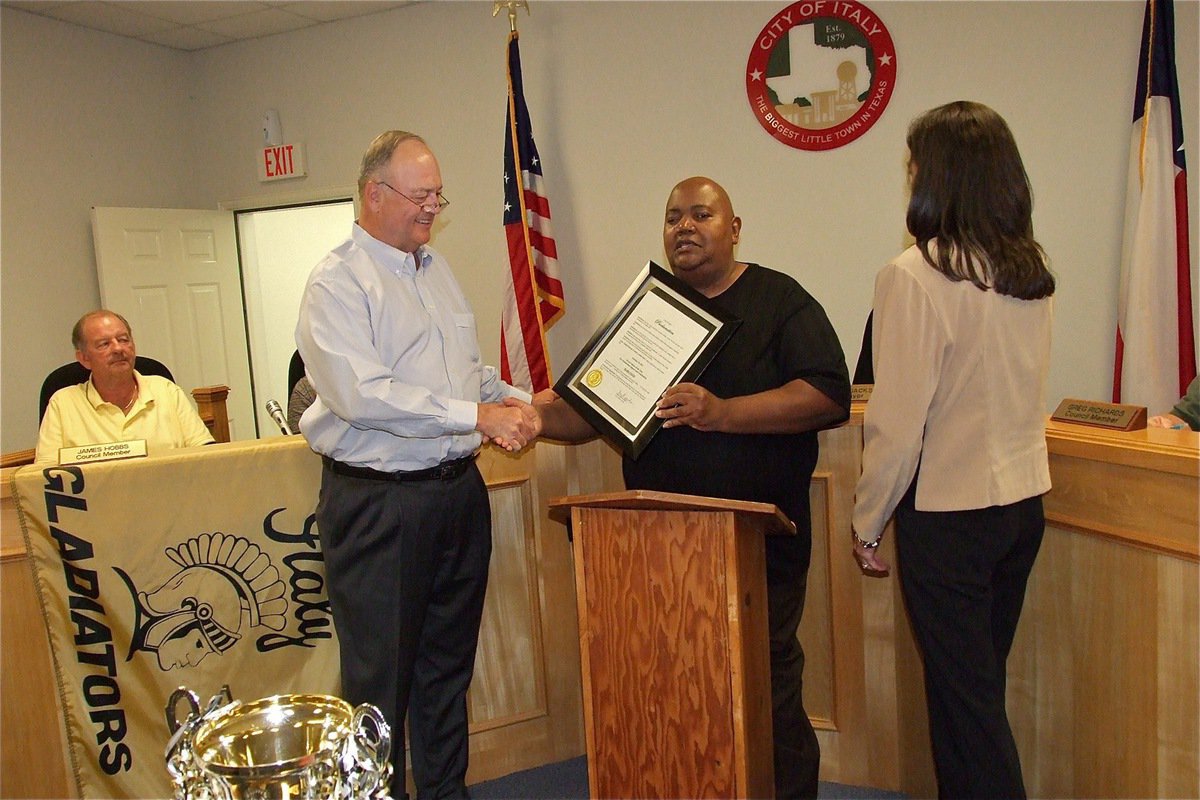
pixel 74 372
pixel 295 371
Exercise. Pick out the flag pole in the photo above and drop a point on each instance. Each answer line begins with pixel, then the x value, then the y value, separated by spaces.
pixel 512 6
pixel 533 292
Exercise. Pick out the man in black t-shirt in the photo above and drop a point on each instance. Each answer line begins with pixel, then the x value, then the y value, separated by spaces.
pixel 746 430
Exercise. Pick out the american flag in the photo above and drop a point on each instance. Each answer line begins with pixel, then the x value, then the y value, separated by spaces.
pixel 534 293
pixel 1156 350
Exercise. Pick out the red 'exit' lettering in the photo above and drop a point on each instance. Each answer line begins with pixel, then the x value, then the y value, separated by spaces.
pixel 279 161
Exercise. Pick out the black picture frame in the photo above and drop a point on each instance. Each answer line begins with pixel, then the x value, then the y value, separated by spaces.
pixel 622 349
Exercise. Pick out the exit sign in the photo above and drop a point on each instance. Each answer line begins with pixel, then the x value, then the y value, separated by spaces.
pixel 281 162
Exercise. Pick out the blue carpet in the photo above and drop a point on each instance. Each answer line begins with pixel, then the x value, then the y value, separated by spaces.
pixel 568 780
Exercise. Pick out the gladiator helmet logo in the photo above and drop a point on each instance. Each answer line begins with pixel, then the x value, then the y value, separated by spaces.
pixel 225 586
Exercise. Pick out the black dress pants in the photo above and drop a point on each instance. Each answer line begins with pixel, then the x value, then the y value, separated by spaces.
pixel 406 569
pixel 797 752
pixel 963 577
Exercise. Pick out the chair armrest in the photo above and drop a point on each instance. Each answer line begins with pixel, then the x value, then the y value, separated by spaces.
pixel 210 402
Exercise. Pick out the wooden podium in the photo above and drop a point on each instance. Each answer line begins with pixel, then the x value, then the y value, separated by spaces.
pixel 672 603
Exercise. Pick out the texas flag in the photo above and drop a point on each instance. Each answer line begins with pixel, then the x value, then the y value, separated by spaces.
pixel 1156 351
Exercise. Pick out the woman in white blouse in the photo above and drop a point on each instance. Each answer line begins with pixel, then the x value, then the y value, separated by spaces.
pixel 954 434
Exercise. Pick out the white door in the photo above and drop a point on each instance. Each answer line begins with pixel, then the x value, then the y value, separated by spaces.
pixel 173 273
pixel 278 248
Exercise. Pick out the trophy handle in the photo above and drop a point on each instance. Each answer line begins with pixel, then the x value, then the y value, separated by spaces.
pixel 182 693
pixel 187 774
pixel 218 700
pixel 365 764
pixel 377 737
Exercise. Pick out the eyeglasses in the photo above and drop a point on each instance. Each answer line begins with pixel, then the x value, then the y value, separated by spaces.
pixel 440 203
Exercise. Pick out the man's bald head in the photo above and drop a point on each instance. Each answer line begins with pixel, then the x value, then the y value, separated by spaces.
pixel 699 232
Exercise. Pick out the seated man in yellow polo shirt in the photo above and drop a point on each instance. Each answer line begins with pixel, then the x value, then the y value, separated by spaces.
pixel 117 404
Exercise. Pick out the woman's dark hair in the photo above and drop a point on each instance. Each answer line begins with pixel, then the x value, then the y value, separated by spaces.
pixel 971 195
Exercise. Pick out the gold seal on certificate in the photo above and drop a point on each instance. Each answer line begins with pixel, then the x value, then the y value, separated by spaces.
pixel 662 332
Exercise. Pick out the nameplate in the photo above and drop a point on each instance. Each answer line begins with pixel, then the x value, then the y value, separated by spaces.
pixel 110 451
pixel 1114 416
pixel 861 392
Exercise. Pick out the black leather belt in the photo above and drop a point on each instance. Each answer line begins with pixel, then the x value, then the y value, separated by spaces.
pixel 447 470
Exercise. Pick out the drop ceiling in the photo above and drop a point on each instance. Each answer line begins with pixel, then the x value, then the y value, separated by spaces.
pixel 200 24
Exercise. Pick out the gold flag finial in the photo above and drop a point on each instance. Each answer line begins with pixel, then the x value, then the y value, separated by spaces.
pixel 512 6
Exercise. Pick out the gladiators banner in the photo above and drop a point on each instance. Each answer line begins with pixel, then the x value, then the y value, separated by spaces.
pixel 197 568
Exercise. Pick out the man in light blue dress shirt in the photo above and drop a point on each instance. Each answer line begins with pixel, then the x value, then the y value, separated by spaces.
pixel 403 405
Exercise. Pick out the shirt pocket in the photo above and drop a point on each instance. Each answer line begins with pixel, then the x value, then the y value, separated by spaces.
pixel 468 338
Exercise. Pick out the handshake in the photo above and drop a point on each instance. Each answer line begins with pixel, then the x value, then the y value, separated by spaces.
pixel 512 424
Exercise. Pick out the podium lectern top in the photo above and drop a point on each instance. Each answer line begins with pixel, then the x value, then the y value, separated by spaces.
pixel 774 521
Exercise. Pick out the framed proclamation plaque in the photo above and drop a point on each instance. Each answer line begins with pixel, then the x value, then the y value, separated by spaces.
pixel 661 333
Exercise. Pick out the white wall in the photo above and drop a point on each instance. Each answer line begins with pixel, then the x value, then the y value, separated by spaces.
pixel 626 99
pixel 85 119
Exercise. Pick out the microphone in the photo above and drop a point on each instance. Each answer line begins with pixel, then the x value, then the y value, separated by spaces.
pixel 277 414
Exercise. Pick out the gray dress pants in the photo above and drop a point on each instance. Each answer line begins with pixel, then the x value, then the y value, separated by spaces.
pixel 407 566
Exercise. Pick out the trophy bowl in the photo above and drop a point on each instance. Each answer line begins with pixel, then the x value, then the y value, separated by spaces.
pixel 284 747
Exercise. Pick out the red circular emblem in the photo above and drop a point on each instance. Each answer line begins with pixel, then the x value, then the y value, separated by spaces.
pixel 821 73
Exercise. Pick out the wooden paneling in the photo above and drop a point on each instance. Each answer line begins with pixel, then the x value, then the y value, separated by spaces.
pixel 1116 690
pixel 646 597
pixel 32 764
pixel 1104 683
pixel 510 665
pixel 746 600
pixel 1103 678
pixel 860 660
pixel 31 745
pixel 1138 488
pixel 525 704
pixel 1178 679
pixel 816 626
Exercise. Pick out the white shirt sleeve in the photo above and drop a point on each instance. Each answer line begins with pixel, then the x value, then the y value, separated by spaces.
pixel 908 343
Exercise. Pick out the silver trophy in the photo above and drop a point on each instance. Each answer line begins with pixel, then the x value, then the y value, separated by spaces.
pixel 285 747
